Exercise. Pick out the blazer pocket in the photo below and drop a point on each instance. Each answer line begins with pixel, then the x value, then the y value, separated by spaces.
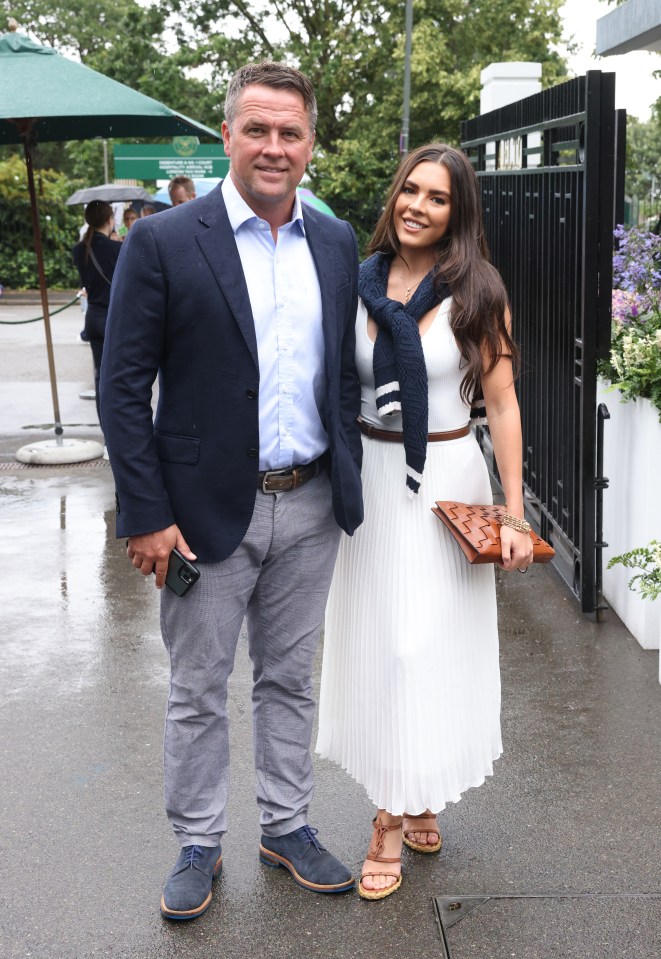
pixel 177 449
pixel 343 295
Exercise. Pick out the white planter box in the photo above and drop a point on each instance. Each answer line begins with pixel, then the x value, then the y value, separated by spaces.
pixel 632 505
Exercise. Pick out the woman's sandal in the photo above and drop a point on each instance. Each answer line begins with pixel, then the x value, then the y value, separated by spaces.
pixel 374 854
pixel 425 823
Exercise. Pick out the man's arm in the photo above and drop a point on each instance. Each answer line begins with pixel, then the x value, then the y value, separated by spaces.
pixel 132 353
pixel 133 350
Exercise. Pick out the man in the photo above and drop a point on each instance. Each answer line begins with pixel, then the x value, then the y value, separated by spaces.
pixel 181 190
pixel 244 303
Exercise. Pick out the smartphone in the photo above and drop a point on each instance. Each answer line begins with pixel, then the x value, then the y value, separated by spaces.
pixel 182 575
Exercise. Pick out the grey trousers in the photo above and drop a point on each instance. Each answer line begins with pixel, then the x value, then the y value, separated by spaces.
pixel 279 577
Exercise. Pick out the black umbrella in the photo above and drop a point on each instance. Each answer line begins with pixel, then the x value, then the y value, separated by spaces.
pixel 110 192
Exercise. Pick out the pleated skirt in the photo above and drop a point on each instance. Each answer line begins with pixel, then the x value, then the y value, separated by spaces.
pixel 410 689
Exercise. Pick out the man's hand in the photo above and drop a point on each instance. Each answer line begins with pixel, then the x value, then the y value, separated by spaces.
pixel 150 552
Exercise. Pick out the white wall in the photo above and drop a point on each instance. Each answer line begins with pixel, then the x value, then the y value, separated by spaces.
pixel 504 83
pixel 632 514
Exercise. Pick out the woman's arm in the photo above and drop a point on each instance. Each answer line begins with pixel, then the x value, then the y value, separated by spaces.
pixel 505 428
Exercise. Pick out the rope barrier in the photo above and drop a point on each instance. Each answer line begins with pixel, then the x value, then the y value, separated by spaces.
pixel 38 318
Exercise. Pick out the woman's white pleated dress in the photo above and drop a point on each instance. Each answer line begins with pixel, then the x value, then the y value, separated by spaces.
pixel 410 688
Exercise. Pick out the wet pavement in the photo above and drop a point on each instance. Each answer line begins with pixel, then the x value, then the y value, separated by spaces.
pixel 558 853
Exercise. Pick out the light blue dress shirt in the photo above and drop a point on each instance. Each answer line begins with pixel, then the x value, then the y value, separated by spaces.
pixel 286 306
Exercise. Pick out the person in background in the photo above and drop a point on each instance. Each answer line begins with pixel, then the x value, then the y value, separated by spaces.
pixel 147 210
pixel 128 219
pixel 181 190
pixel 96 257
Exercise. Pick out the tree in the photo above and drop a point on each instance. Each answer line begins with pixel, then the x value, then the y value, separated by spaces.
pixel 643 166
pixel 353 51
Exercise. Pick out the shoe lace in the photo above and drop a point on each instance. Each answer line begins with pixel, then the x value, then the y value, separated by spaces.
pixel 192 854
pixel 308 835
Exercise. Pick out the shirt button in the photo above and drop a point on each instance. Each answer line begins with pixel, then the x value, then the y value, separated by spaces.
pixel 253 452
pixel 251 394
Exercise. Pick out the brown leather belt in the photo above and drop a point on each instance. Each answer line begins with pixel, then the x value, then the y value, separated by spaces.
pixel 394 437
pixel 280 481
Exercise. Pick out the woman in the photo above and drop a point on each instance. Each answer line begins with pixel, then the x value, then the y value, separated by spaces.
pixel 96 259
pixel 410 693
pixel 128 219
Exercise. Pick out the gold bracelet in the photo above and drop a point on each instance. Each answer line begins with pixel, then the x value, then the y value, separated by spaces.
pixel 520 525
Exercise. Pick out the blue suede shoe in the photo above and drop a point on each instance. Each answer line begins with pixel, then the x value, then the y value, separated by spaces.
pixel 311 865
pixel 187 892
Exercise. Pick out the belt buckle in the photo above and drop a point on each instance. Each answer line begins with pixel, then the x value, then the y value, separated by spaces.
pixel 269 473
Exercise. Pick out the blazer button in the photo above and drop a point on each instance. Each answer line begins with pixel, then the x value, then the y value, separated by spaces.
pixel 251 394
pixel 253 452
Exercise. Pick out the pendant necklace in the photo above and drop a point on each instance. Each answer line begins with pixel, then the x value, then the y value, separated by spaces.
pixel 410 290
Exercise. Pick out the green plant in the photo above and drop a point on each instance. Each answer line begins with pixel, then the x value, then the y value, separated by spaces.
pixel 648 560
pixel 634 364
pixel 59 227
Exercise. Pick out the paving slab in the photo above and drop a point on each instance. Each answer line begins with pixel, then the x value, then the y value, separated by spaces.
pixel 26 403
pixel 614 927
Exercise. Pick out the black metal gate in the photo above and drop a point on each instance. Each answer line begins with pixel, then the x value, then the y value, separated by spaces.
pixel 547 169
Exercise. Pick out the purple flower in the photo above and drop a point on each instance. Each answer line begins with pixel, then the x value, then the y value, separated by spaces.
pixel 637 268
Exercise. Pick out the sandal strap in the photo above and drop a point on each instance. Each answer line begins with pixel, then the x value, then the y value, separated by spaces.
pixel 432 824
pixel 390 875
pixel 379 840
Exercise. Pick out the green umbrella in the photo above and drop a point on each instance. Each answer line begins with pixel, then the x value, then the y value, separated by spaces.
pixel 59 99
pixel 307 196
pixel 45 96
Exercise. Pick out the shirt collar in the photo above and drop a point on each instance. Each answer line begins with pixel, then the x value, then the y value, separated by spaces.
pixel 240 213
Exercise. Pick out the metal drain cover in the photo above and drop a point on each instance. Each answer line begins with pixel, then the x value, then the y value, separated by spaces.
pixel 10 466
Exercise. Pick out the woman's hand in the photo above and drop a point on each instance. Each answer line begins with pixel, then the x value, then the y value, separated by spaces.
pixel 516 549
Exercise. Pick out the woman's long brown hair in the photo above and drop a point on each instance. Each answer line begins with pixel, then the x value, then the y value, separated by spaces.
pixel 97 214
pixel 479 298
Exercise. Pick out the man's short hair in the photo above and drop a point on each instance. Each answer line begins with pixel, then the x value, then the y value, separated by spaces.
pixel 270 73
pixel 185 182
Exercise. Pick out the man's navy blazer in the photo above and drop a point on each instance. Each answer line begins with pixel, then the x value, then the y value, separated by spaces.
pixel 179 308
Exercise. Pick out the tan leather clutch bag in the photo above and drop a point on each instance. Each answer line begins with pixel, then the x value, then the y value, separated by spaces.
pixel 476 530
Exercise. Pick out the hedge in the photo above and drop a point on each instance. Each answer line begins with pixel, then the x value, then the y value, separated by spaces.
pixel 60 225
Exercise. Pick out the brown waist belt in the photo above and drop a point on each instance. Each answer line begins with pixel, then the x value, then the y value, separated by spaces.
pixel 394 437
pixel 280 481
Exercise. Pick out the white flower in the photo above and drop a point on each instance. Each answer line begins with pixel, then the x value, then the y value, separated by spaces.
pixel 615 363
pixel 656 557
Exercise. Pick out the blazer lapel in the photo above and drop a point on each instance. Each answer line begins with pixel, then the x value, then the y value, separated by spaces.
pixel 323 255
pixel 220 251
